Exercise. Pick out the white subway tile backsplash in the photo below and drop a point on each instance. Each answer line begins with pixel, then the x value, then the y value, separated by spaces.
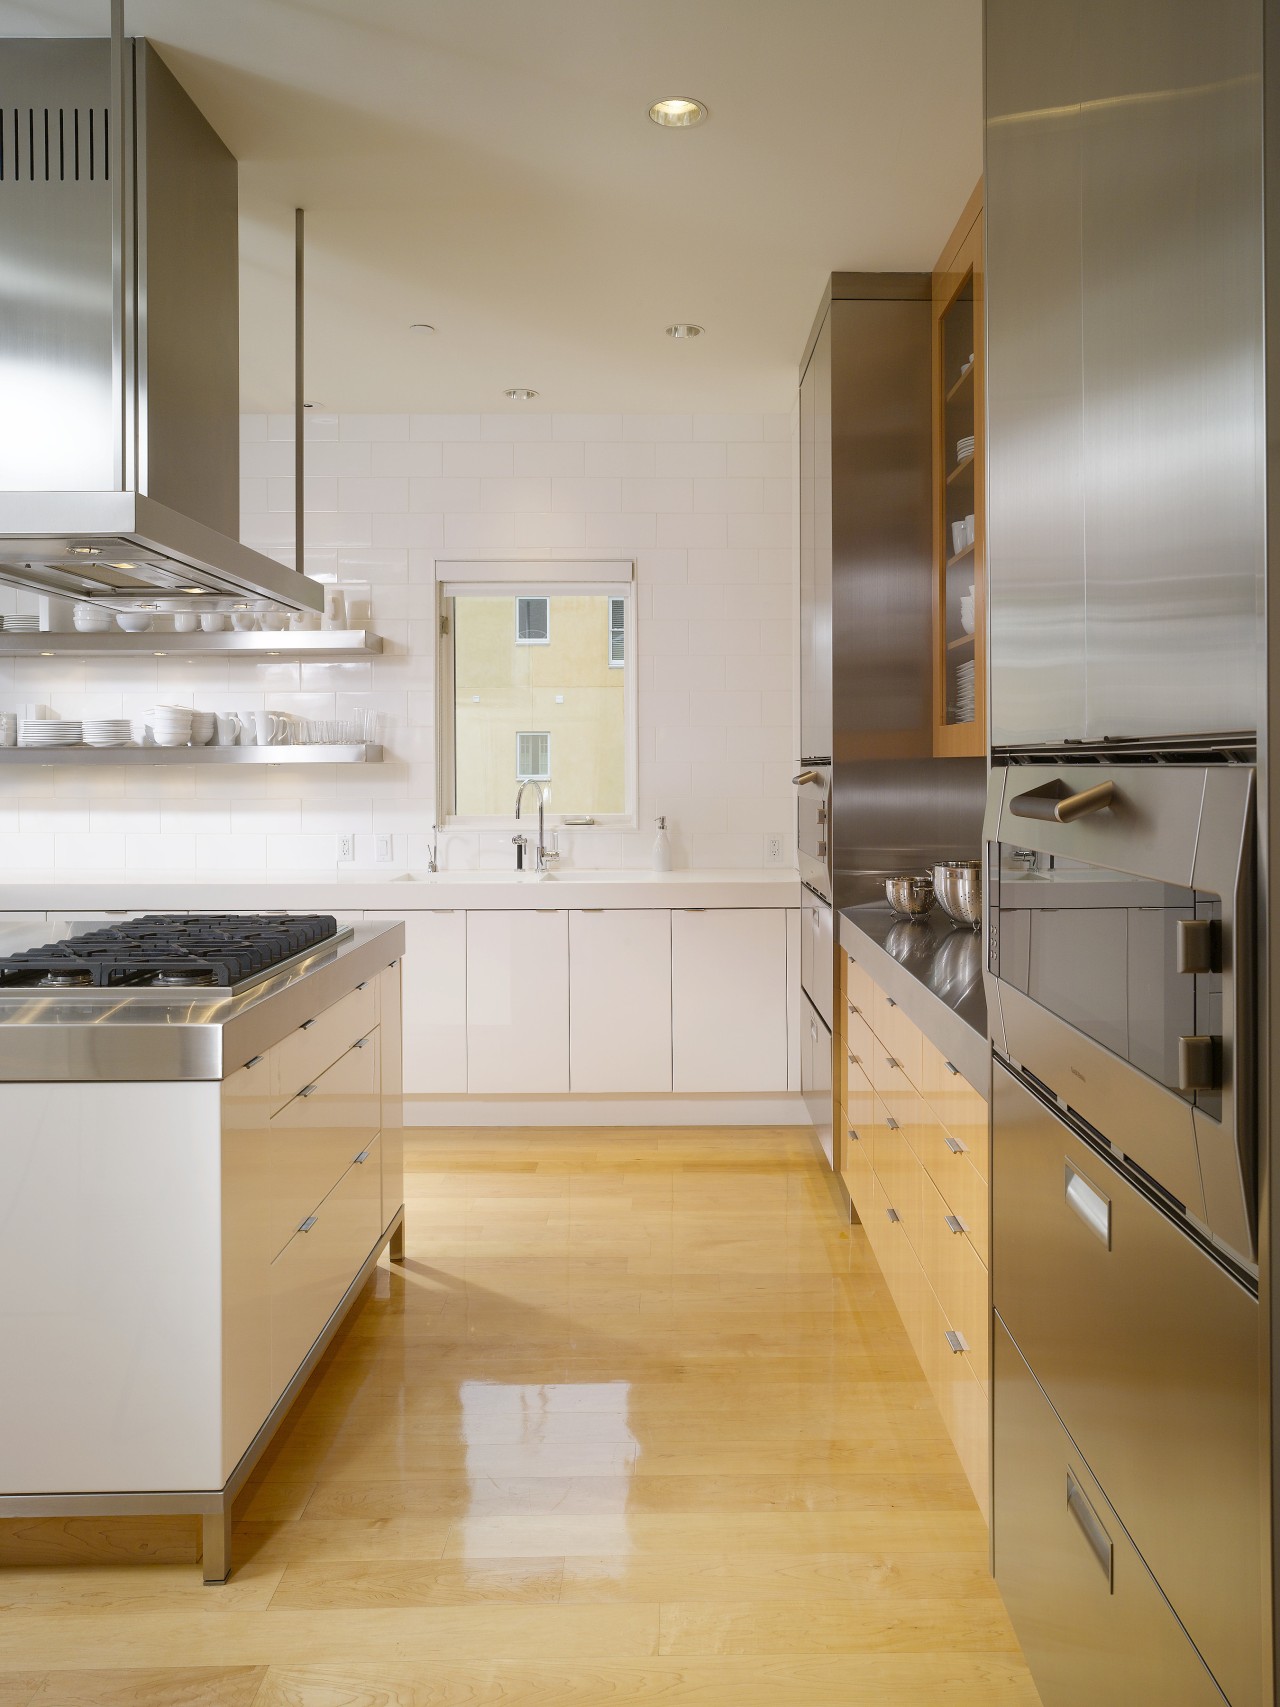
pixel 704 504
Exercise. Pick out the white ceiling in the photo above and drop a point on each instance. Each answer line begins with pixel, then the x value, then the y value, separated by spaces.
pixel 488 165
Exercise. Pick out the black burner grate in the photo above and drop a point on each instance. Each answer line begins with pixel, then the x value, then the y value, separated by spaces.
pixel 169 950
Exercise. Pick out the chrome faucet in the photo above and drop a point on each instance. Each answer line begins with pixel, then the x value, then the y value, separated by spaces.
pixel 542 856
pixel 433 864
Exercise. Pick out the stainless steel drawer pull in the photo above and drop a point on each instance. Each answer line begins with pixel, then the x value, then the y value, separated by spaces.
pixel 954 1071
pixel 890 1062
pixel 307 1090
pixel 956 1341
pixel 1100 1544
pixel 889 1002
pixel 359 1042
pixel 893 1214
pixel 254 1059
pixel 855 1009
pixel 953 1144
pixel 1093 1208
pixel 308 1224
pixel 362 1157
pixel 855 1136
pixel 955 1223
pixel 361 986
pixel 306 1025
pixel 891 1123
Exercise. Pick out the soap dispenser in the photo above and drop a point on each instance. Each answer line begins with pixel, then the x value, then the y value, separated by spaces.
pixel 661 848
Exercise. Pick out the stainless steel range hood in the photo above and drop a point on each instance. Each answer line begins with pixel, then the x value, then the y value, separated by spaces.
pixel 119 337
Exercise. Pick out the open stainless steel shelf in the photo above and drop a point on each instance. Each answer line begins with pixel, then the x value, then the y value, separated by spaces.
pixel 359 753
pixel 331 646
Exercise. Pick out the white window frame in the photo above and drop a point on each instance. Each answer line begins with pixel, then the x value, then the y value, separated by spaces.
pixel 536 735
pixel 616 663
pixel 532 639
pixel 542 577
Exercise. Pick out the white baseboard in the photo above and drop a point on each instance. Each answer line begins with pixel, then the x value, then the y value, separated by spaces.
pixel 606 1111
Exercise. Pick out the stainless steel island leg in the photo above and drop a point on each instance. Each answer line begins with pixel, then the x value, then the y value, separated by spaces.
pixel 395 1249
pixel 215 1535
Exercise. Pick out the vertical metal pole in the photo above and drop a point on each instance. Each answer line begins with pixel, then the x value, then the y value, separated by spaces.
pixel 299 557
pixel 116 103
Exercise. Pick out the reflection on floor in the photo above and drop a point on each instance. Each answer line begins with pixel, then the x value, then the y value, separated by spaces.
pixel 636 1422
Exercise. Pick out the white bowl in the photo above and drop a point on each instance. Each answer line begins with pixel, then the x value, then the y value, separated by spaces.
pixel 186 621
pixel 274 620
pixel 244 621
pixel 134 621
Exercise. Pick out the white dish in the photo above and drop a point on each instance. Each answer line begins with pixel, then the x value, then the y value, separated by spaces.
pixel 186 621
pixel 134 621
pixel 213 621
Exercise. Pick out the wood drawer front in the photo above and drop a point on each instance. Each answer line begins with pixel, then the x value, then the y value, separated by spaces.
pixel 860 991
pixel 314 1139
pixel 900 1036
pixel 957 1105
pixel 963 1189
pixel 959 1279
pixel 856 1169
pixel 963 1401
pixel 860 1041
pixel 894 1088
pixel 316 1267
pixel 301 1058
pixel 900 1173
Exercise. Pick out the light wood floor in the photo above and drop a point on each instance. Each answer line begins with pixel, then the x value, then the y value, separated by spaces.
pixel 636 1422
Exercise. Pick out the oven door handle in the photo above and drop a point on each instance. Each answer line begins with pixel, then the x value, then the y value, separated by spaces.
pixel 807 776
pixel 1063 809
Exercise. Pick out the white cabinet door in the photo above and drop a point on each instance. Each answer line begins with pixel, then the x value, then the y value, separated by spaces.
pixel 729 999
pixel 433 994
pixel 517 1003
pixel 620 1001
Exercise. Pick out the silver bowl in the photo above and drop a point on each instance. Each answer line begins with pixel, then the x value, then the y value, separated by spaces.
pixel 958 886
pixel 910 897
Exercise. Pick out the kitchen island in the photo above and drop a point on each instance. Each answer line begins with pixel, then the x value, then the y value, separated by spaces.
pixel 195 1185
pixel 913 1072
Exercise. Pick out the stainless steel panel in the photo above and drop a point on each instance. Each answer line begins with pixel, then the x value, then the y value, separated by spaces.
pixel 809 618
pixel 816 1076
pixel 188 304
pixel 818 955
pixel 816 734
pixel 59 430
pixel 1171 197
pixel 1093 1624
pixel 1034 379
pixel 1149 1351
pixel 154 1034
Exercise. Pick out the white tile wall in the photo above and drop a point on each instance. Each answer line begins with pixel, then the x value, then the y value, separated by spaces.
pixel 703 502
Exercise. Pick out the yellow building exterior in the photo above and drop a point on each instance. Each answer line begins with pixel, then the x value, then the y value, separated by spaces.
pixel 552 706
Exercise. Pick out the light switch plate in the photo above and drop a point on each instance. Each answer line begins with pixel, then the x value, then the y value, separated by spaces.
pixel 382 850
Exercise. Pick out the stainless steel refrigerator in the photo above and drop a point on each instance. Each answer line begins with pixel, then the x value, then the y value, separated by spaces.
pixel 1129 325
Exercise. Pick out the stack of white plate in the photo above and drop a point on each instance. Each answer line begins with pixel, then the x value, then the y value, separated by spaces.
pixel 964 448
pixel 171 725
pixel 49 732
pixel 92 619
pixel 20 624
pixel 106 731
pixel 203 725
pixel 965 701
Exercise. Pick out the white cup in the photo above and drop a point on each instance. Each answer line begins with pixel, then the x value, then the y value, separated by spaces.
pixel 227 729
pixel 969 525
pixel 268 726
pixel 335 608
pixel 243 621
pixel 957 537
pixel 213 621
pixel 185 621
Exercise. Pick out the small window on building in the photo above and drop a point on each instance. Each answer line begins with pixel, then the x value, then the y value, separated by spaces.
pixel 617 633
pixel 533 755
pixel 533 622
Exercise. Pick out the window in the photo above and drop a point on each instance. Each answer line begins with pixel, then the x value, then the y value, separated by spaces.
pixel 533 622
pixel 536 682
pixel 533 755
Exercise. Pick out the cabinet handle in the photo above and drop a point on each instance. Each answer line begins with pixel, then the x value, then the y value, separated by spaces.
pixel 591 909
pixel 855 1135
pixel 889 1002
pixel 955 1223
pixel 956 1341
pixel 893 1214
pixel 1093 1208
pixel 307 1090
pixel 890 1062
pixel 953 1144
pixel 362 986
pixel 308 1224
pixel 362 1157
pixel 856 1059
pixel 954 1071
pixel 306 1025
pixel 891 1123
pixel 855 1009
pixel 1086 1517
pixel 359 1042
pixel 254 1059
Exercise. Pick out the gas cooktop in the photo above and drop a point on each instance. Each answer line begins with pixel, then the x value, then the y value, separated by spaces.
pixel 168 951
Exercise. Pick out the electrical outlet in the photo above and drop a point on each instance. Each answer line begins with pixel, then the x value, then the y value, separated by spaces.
pixel 773 850
pixel 382 850
pixel 347 847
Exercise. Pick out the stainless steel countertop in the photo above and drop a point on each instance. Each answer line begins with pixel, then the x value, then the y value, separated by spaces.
pixel 146 1035
pixel 933 970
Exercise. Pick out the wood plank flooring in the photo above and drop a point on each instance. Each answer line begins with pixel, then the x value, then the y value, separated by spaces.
pixel 636 1422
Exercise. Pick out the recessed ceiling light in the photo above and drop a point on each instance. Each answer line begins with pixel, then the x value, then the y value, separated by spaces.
pixel 685 329
pixel 677 113
pixel 420 326
pixel 520 394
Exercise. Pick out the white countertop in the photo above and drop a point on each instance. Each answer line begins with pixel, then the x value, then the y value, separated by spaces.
pixel 397 893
